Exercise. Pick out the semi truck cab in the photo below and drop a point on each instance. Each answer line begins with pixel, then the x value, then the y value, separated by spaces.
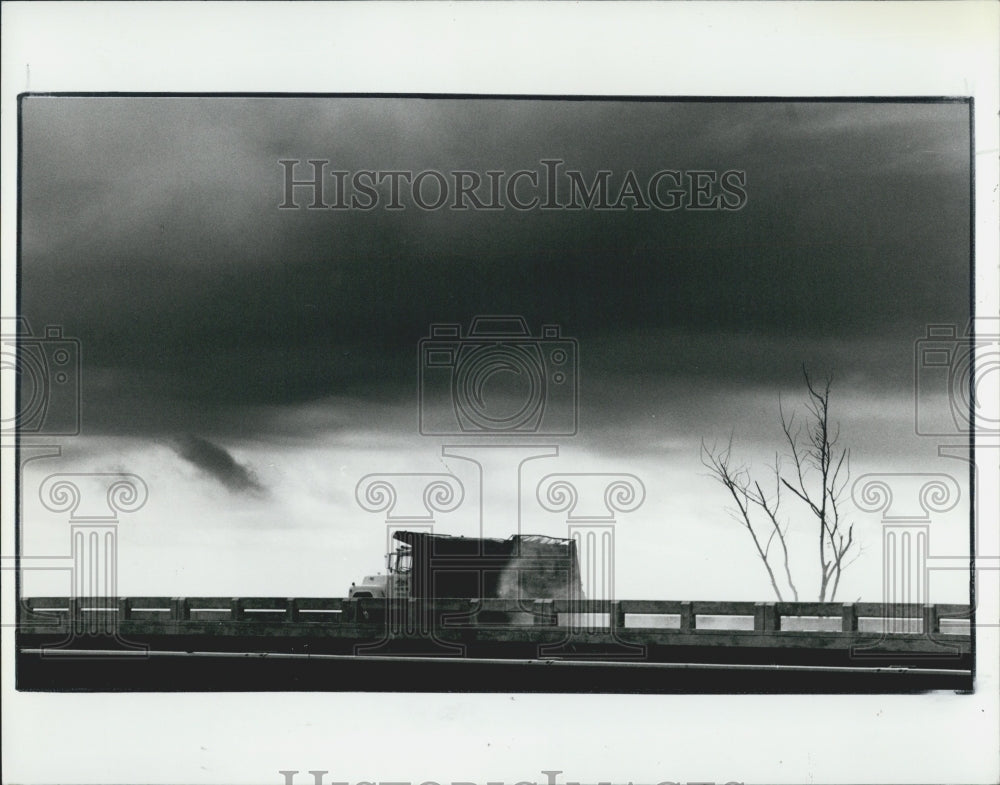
pixel 395 583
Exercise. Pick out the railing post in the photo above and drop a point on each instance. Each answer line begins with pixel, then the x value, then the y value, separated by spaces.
pixel 687 617
pixel 765 617
pixel 291 609
pixel 932 619
pixel 544 613
pixel 849 617
pixel 180 609
pixel 124 609
pixel 76 624
pixel 236 609
pixel 618 615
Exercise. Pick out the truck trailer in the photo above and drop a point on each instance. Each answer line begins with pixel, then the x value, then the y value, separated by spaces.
pixel 524 566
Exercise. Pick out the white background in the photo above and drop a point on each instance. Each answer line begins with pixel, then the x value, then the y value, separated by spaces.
pixel 690 49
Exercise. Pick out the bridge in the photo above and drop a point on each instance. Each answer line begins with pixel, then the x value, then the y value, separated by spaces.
pixel 279 643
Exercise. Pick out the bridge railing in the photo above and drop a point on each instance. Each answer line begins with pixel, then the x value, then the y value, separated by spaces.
pixel 682 616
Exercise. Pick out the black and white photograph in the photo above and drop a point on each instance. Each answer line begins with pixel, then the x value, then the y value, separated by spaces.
pixel 564 382
pixel 378 398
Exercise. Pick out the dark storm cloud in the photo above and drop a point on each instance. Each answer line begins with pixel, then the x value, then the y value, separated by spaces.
pixel 151 232
pixel 217 463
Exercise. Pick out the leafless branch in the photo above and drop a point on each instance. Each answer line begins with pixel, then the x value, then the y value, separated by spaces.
pixel 737 482
pixel 818 477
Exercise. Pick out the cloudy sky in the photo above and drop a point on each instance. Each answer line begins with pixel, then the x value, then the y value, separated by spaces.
pixel 252 364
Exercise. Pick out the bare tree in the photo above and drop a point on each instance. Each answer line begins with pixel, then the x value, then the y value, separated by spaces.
pixel 817 478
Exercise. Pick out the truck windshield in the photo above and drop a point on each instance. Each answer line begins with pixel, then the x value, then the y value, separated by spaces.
pixel 400 561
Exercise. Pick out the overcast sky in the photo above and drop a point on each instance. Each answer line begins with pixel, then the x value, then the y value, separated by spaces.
pixel 254 363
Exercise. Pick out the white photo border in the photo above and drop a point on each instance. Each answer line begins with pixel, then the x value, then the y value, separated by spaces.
pixel 784 49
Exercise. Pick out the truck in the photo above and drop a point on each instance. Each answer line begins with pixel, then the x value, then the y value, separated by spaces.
pixel 523 566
